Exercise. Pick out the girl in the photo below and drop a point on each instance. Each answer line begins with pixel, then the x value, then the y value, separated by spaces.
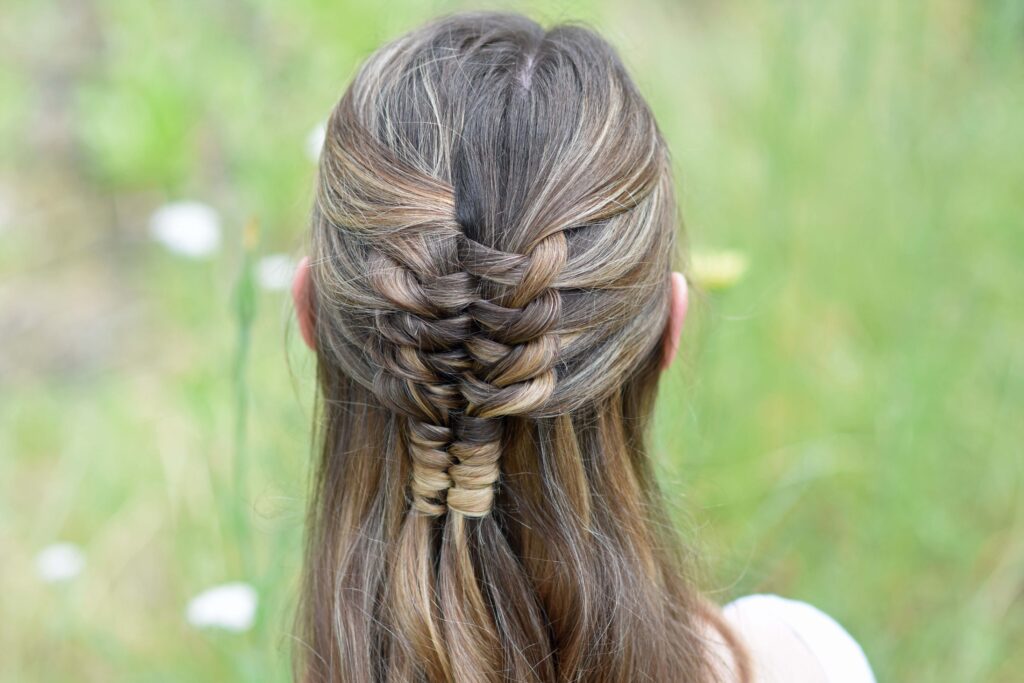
pixel 491 300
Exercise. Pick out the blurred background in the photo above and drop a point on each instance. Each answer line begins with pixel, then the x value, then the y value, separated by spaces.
pixel 846 427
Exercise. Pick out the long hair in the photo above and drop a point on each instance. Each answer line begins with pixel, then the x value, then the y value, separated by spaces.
pixel 492 240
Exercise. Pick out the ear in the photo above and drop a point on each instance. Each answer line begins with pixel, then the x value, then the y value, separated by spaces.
pixel 302 296
pixel 676 317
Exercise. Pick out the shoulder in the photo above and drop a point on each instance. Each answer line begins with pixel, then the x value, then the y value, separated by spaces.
pixel 789 640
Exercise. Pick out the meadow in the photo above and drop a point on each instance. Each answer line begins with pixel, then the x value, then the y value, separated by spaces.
pixel 845 428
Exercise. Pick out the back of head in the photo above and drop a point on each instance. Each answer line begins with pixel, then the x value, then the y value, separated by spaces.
pixel 492 239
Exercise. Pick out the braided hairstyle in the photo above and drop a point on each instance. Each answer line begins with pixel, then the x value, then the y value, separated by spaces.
pixel 492 240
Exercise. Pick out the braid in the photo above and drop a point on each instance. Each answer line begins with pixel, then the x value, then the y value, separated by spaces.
pixel 513 358
pixel 453 383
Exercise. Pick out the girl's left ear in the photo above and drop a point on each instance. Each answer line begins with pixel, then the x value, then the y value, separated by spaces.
pixel 676 318
pixel 302 296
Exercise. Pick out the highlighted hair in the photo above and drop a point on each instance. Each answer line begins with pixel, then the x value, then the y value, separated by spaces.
pixel 492 241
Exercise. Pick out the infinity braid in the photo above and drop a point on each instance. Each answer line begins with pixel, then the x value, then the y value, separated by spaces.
pixel 455 364
pixel 513 357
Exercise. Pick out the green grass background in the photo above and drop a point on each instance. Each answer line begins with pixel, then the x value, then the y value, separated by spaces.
pixel 845 428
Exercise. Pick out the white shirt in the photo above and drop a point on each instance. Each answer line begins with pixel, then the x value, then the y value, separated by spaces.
pixel 790 640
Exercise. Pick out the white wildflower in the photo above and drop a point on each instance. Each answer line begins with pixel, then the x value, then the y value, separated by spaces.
pixel 188 228
pixel 315 141
pixel 230 606
pixel 59 562
pixel 275 271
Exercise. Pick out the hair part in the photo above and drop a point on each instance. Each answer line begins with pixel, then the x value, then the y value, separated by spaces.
pixel 492 240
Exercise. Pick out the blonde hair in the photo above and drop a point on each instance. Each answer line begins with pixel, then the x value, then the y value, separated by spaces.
pixel 491 246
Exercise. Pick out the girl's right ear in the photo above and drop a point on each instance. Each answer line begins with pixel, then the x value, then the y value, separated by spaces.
pixel 302 295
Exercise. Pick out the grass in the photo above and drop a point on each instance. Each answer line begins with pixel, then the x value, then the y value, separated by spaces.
pixel 845 428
